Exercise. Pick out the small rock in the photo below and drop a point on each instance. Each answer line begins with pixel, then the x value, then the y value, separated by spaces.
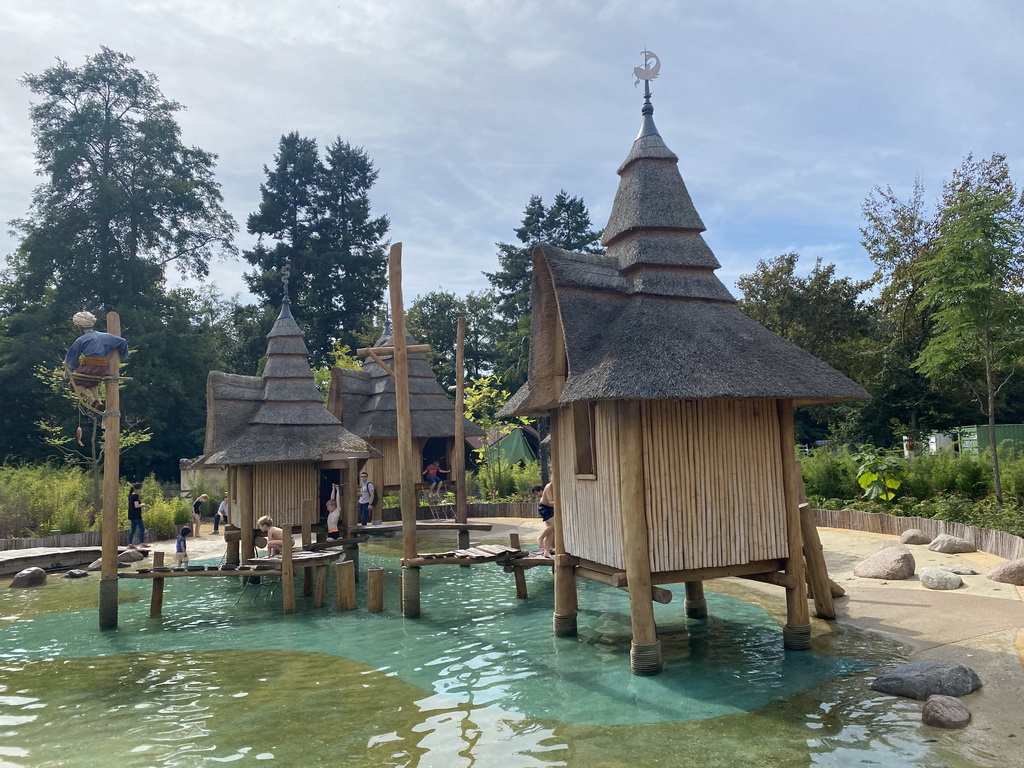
pixel 962 570
pixel 951 545
pixel 891 563
pixel 915 536
pixel 940 578
pixel 921 679
pixel 76 573
pixel 30 577
pixel 1011 572
pixel 945 712
pixel 94 565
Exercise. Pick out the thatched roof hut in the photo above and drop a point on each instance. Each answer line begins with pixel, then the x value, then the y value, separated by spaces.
pixel 671 411
pixel 364 400
pixel 276 438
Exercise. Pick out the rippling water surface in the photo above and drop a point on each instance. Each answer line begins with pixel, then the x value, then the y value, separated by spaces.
pixel 477 680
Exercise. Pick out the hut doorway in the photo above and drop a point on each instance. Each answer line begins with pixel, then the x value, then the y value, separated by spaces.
pixel 328 477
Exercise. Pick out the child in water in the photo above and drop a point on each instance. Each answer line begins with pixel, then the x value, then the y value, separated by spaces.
pixel 181 547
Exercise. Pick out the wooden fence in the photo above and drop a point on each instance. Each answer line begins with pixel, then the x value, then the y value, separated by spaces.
pixel 85 539
pixel 997 543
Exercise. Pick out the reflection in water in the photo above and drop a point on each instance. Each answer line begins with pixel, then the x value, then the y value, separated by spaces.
pixel 478 680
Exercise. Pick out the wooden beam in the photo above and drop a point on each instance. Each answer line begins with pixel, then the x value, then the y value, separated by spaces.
pixel 377 359
pixel 460 427
pixel 369 351
pixel 619 581
pixel 817 570
pixel 111 476
pixel 777 578
pixel 796 633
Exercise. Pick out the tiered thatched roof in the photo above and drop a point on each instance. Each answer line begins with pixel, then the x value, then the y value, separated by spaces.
pixel 650 320
pixel 277 417
pixel 368 398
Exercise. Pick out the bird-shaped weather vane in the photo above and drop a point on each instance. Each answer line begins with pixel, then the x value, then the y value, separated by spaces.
pixel 647 73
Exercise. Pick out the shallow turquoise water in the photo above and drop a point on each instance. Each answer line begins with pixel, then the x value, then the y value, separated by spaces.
pixel 479 675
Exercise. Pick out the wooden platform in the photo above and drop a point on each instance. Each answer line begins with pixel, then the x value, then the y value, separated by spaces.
pixel 421 525
pixel 484 553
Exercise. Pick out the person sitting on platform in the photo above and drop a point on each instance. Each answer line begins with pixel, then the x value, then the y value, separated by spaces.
pixel 333 513
pixel 181 547
pixel 432 474
pixel 275 536
pixel 85 364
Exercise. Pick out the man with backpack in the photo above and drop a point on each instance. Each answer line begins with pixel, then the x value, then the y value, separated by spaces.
pixel 367 498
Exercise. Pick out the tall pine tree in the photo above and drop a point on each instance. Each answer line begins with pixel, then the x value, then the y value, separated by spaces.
pixel 316 214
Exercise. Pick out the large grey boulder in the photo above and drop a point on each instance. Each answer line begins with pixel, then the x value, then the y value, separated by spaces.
pixel 96 564
pixel 130 556
pixel 951 545
pixel 921 679
pixel 1010 572
pixel 891 563
pixel 915 536
pixel 30 577
pixel 945 712
pixel 940 578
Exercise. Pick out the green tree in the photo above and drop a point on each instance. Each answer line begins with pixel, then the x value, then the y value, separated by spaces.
pixel 819 312
pixel 122 196
pixel 122 199
pixel 972 285
pixel 317 213
pixel 565 224
pixel 432 319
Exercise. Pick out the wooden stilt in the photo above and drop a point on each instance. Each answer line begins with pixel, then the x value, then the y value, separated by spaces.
pixel 350 496
pixel 460 428
pixel 696 604
pixel 520 576
pixel 247 520
pixel 156 600
pixel 564 621
pixel 796 635
pixel 407 463
pixel 645 651
pixel 817 572
pixel 320 586
pixel 287 575
pixel 345 575
pixel 352 555
pixel 464 544
pixel 374 590
pixel 111 474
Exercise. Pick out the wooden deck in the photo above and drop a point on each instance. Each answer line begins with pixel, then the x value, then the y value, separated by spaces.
pixel 484 553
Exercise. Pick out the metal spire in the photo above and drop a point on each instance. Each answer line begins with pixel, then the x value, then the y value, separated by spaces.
pixel 647 73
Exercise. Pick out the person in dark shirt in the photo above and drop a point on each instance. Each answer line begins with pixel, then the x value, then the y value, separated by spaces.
pixel 85 363
pixel 197 512
pixel 135 507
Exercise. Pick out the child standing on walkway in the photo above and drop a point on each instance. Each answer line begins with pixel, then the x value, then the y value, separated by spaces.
pixel 181 547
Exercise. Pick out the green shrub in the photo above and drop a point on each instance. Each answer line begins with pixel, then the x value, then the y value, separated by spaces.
pixel 830 474
pixel 501 479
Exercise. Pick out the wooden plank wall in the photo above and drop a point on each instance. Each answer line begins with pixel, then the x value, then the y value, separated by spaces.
pixel 713 483
pixel 280 488
pixel 591 513
pixel 384 471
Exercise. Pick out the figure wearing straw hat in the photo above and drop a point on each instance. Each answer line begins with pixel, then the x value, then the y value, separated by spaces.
pixel 85 364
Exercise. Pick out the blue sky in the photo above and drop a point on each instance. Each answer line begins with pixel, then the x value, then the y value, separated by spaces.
pixel 784 114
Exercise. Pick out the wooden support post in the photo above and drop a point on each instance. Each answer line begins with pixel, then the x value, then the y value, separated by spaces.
pixel 345 576
pixel 232 544
pixel 645 651
pixel 307 581
pixel 350 497
pixel 246 521
pixel 408 466
pixel 156 600
pixel 352 555
pixel 461 507
pixel 520 576
pixel 566 599
pixel 696 605
pixel 287 574
pixel 309 516
pixel 320 588
pixel 817 572
pixel 374 590
pixel 111 475
pixel 796 635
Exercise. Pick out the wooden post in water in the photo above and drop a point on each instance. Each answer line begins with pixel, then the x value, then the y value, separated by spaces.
pixel 156 600
pixel 566 599
pixel 645 650
pixel 350 498
pixel 246 520
pixel 111 476
pixel 374 590
pixel 696 605
pixel 408 468
pixel 796 635
pixel 345 575
pixel 306 514
pixel 287 573
pixel 460 427
pixel 521 590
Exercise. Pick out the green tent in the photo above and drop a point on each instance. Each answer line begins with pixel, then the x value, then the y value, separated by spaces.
pixel 512 448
